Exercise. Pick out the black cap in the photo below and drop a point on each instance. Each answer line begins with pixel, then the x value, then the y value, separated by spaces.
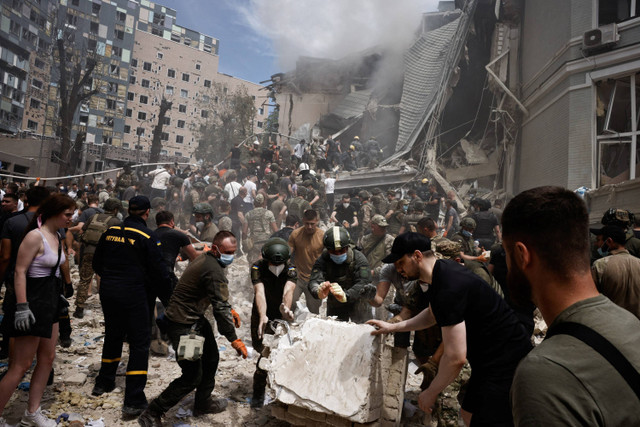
pixel 139 203
pixel 407 243
pixel 617 234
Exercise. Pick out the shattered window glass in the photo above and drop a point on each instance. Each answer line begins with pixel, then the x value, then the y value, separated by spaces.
pixel 617 129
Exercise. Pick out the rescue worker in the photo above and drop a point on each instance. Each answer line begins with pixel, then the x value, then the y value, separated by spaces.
pixel 92 230
pixel 465 237
pixel 377 245
pixel 203 283
pixel 259 225
pixel 274 280
pixel 412 218
pixel 396 217
pixel 204 227
pixel 132 274
pixel 342 274
pixel 365 213
pixel 125 180
pixel 298 205
pixel 380 204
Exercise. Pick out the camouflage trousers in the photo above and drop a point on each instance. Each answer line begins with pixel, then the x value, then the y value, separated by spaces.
pixel 86 276
pixel 446 412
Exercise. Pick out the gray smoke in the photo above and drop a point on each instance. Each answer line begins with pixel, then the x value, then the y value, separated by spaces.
pixel 334 28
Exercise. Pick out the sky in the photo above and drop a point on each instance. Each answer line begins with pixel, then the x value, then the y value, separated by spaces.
pixel 259 38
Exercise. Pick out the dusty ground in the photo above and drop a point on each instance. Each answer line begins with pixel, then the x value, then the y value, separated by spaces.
pixel 77 366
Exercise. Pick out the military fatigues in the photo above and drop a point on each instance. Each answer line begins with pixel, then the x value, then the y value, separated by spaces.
pixel 411 221
pixel 86 260
pixel 380 205
pixel 468 246
pixel 273 292
pixel 365 213
pixel 352 276
pixel 132 274
pixel 395 221
pixel 297 206
pixel 259 221
pixel 124 181
pixel 202 284
pixel 375 248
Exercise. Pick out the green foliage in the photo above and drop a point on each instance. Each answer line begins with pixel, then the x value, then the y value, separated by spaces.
pixel 229 120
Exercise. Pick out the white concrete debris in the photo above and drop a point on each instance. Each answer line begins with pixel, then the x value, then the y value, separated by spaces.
pixel 329 352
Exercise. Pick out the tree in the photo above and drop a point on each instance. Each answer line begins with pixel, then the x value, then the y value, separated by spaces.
pixel 75 69
pixel 156 144
pixel 228 120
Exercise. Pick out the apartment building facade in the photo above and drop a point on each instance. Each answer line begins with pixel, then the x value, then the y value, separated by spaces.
pixel 139 47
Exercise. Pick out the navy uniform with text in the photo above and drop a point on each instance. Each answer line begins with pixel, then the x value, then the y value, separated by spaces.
pixel 132 272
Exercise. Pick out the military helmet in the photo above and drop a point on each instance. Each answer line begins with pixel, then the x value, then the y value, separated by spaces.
pixel 418 206
pixel 199 185
pixel 468 222
pixel 364 194
pixel 619 217
pixel 112 204
pixel 276 251
pixel 203 208
pixel 336 238
pixel 448 249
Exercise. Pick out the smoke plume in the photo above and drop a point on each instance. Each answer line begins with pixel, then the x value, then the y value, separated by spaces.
pixel 334 28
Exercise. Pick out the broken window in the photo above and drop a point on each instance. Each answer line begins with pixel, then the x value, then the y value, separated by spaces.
pixel 617 128
pixel 144 99
pixel 617 11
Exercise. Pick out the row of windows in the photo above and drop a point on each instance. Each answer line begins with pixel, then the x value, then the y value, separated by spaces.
pixel 170 72
pixel 164 137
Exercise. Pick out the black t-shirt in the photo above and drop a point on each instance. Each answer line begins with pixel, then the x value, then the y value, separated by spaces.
pixel 485 223
pixel 235 153
pixel 13 229
pixel 283 233
pixel 345 214
pixel 496 339
pixel 172 241
pixel 237 205
pixel 433 210
pixel 273 285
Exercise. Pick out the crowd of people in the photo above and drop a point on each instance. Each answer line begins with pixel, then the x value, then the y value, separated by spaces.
pixel 401 260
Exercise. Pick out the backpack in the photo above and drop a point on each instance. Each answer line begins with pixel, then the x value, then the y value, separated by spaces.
pixel 95 229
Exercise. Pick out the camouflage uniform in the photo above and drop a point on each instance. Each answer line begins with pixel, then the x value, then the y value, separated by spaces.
pixel 365 214
pixel 298 205
pixel 380 205
pixel 259 221
pixel 124 181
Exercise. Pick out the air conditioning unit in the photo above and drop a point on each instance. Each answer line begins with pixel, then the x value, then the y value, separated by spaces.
pixel 600 38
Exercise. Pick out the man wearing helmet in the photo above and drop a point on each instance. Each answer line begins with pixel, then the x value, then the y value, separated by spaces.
pixel 205 229
pixel 342 274
pixel 274 280
pixel 465 238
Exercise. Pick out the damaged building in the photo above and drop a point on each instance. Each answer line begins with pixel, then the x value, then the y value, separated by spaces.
pixel 495 96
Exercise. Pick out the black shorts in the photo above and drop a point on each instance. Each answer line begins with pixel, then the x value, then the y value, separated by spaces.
pixel 487 398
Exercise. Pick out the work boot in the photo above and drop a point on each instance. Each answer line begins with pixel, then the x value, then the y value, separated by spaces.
pixel 99 390
pixel 213 406
pixel 65 342
pixel 78 313
pixel 150 418
pixel 129 412
pixel 257 400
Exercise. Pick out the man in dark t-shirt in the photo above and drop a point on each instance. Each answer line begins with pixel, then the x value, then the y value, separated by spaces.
pixel 477 325
pixel 173 242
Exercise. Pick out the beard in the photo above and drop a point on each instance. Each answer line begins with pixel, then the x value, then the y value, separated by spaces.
pixel 519 287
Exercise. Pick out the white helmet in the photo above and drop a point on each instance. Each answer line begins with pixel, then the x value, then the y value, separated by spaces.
pixel 303 167
pixel 312 173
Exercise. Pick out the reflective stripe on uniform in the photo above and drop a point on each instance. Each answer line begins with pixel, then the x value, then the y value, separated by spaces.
pixel 336 238
pixel 117 359
pixel 135 230
pixel 136 372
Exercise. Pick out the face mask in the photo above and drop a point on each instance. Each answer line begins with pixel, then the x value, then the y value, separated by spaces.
pixel 346 205
pixel 424 286
pixel 405 208
pixel 466 233
pixel 276 269
pixel 603 250
pixel 226 259
pixel 199 225
pixel 338 259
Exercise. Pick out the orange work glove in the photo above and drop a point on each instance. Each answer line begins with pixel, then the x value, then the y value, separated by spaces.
pixel 239 346
pixel 444 234
pixel 236 318
pixel 206 248
pixel 482 258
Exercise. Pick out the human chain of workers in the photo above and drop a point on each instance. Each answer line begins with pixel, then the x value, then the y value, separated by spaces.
pixel 401 261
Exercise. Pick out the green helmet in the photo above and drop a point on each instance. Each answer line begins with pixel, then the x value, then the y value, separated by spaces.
pixel 203 208
pixel 468 222
pixel 336 238
pixel 112 204
pixel 276 251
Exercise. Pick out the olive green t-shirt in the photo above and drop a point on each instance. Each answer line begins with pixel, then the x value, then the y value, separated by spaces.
pixel 565 382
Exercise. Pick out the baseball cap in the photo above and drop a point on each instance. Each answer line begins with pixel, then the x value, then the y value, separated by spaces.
pixel 139 203
pixel 379 220
pixel 259 200
pixel 407 243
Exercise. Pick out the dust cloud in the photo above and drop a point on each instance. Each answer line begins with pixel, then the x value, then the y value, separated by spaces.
pixel 334 28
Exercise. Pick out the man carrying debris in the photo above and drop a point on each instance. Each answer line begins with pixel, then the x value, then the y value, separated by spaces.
pixel 477 325
pixel 342 273
pixel 274 280
pixel 306 246
pixel 585 372
pixel 203 283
